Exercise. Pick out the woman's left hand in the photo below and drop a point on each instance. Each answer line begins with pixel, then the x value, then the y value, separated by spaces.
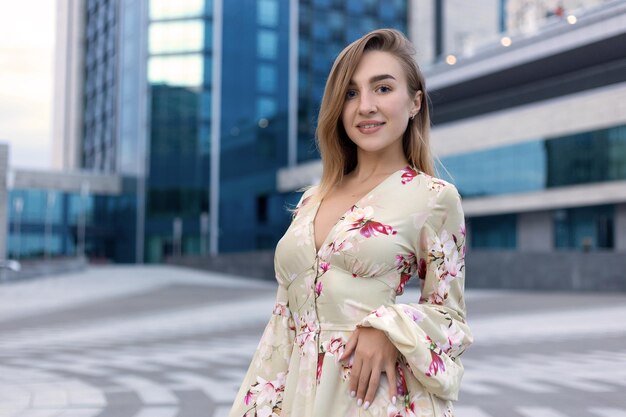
pixel 373 355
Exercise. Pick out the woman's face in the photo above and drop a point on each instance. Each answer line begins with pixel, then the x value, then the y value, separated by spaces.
pixel 377 106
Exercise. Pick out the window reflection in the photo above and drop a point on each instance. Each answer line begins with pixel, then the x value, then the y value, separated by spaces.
pixel 582 158
pixel 493 232
pixel 266 78
pixel 267 44
pixel 267 13
pixel 184 71
pixel 164 9
pixel 176 37
pixel 265 107
pixel 584 228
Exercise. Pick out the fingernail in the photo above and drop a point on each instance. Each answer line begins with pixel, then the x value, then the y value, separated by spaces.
pixel 393 399
pixel 359 402
pixel 353 394
pixel 367 405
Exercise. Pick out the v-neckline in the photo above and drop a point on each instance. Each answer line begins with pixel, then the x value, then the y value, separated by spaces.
pixel 356 203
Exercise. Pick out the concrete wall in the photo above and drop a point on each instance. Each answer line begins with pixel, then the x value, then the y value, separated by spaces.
pixel 4 161
pixel 68 181
pixel 620 227
pixel 565 271
pixel 568 271
pixel 535 231
pixel 68 84
pixel 258 264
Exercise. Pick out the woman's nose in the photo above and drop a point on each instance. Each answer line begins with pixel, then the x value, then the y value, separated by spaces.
pixel 367 104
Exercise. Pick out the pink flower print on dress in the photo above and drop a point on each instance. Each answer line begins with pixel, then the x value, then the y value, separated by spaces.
pixel 269 392
pixel 436 363
pixel 358 215
pixel 436 184
pixel 406 266
pixel 305 339
pixel 361 219
pixel 442 244
pixel 441 292
pixel 408 174
pixel 248 398
pixel 453 267
pixel 454 344
pixel 380 312
pixel 301 232
pixel 320 362
pixel 372 228
pixel 281 309
pixel 335 346
pixel 415 314
pixel 318 288
pixel 421 269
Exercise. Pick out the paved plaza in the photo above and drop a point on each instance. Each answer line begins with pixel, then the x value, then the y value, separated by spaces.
pixel 126 341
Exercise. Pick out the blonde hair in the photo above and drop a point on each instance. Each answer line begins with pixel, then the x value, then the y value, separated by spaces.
pixel 338 152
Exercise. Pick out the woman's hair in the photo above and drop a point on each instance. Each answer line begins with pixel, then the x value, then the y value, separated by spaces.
pixel 339 153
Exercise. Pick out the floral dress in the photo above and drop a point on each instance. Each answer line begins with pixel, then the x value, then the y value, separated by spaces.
pixel 410 225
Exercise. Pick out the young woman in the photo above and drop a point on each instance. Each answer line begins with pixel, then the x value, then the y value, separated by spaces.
pixel 338 344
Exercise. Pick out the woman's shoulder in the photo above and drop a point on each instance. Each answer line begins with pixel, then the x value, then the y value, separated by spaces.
pixel 426 183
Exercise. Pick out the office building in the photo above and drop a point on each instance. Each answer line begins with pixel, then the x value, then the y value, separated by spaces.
pixel 198 104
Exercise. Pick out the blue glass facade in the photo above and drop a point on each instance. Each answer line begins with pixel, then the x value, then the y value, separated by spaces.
pixel 179 76
pixel 100 93
pixel 326 27
pixel 253 112
pixel 582 158
pixel 493 232
pixel 584 227
pixel 132 91
pixel 254 124
pixel 43 222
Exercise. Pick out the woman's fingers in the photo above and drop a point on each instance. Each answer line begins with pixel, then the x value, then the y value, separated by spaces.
pixel 363 381
pixel 350 345
pixel 354 376
pixel 371 388
pixel 391 377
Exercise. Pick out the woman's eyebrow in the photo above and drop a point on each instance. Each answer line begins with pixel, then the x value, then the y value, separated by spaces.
pixel 376 78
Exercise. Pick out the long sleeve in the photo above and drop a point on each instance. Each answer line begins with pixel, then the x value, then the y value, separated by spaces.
pixel 432 334
pixel 263 386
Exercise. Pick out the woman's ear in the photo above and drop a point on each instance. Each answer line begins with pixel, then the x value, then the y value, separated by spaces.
pixel 417 102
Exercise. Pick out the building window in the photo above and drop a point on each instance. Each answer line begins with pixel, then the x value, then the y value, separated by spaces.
pixel 266 78
pixel 267 44
pixel 168 37
pixel 584 228
pixel 356 6
pixel 261 209
pixel 168 9
pixel 265 107
pixel 588 157
pixel 493 232
pixel 184 71
pixel 267 13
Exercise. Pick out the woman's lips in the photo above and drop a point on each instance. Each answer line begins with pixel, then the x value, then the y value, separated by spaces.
pixel 370 127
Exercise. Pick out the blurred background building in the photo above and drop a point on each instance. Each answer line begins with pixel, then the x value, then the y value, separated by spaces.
pixel 201 113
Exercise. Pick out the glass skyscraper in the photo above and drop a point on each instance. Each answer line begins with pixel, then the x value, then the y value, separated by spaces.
pixel 253 111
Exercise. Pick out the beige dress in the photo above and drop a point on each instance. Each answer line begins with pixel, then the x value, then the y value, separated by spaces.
pixel 410 225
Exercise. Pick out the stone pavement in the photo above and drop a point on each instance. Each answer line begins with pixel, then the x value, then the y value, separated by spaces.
pixel 142 341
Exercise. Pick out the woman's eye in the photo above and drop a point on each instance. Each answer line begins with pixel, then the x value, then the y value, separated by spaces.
pixel 350 94
pixel 384 89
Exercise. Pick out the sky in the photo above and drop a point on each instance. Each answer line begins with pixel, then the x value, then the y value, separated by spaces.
pixel 26 78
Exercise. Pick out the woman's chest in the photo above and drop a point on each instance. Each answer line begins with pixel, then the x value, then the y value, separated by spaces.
pixel 375 237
